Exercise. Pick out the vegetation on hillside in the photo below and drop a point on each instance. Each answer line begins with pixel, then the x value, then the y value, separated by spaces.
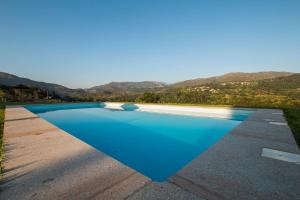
pixel 231 77
pixel 127 87
pixel 278 92
pixel 293 117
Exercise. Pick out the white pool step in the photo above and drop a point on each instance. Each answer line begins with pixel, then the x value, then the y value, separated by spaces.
pixel 224 113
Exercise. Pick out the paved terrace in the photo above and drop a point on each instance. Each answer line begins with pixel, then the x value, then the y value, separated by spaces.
pixel 44 162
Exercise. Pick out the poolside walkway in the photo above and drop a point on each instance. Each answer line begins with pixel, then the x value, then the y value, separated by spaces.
pixel 44 162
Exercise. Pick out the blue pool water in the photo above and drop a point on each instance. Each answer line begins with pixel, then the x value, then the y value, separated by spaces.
pixel 157 145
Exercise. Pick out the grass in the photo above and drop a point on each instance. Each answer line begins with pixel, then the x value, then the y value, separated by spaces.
pixel 1 136
pixel 293 117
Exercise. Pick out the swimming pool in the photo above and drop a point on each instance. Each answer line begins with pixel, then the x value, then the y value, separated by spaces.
pixel 155 144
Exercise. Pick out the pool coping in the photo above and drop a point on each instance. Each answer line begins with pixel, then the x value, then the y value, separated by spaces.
pixel 202 178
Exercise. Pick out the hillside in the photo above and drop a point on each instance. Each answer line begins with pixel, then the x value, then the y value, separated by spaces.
pixel 127 87
pixel 282 83
pixel 231 77
pixel 202 90
pixel 274 92
pixel 12 80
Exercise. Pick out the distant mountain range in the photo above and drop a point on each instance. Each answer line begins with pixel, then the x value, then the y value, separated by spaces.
pixel 138 87
pixel 13 80
pixel 232 77
pixel 129 87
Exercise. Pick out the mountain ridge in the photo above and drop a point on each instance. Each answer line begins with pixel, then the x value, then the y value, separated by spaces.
pixel 137 87
pixel 13 80
pixel 232 77
pixel 141 86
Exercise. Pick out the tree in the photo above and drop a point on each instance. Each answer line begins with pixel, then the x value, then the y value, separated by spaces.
pixel 148 97
pixel 2 96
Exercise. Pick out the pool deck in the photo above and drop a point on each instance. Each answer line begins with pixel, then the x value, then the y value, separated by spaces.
pixel 44 162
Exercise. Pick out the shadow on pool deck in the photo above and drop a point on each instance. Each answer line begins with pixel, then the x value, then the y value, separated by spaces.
pixel 73 176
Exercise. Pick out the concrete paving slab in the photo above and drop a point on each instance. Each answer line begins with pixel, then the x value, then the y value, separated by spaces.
pixel 16 113
pixel 262 129
pixel 163 191
pixel 267 114
pixel 27 126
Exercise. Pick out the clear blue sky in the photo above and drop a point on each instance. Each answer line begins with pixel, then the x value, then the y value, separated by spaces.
pixel 86 43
